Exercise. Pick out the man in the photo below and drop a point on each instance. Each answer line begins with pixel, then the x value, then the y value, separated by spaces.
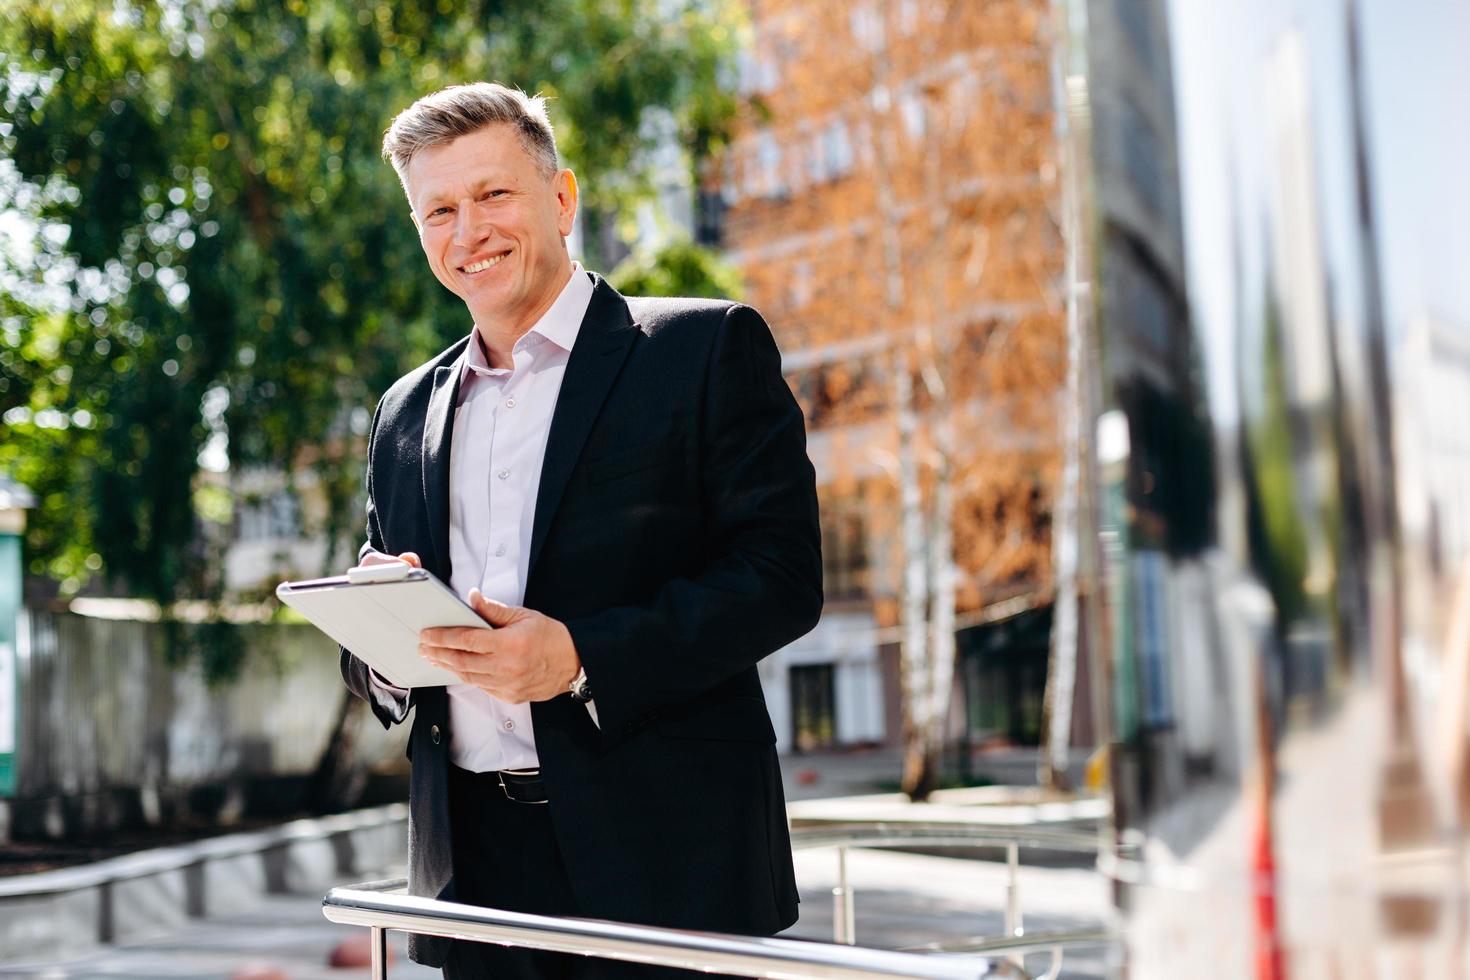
pixel 620 487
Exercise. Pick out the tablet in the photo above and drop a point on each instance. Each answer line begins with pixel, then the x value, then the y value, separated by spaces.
pixel 376 611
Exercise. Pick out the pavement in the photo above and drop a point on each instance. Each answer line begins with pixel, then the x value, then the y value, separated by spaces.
pixel 902 900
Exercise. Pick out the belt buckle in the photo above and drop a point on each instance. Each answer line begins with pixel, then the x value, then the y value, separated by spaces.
pixel 500 778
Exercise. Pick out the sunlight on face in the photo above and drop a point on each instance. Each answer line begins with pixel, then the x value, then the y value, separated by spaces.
pixel 492 226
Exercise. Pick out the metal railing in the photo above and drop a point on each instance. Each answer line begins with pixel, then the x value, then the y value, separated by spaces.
pixel 843 836
pixel 381 907
pixel 374 905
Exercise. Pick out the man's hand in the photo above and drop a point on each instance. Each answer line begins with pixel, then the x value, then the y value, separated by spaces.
pixel 378 558
pixel 526 657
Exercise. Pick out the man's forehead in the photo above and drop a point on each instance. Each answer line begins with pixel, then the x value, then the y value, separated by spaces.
pixel 478 157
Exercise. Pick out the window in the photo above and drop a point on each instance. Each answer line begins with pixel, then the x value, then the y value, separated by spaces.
pixel 755 73
pixel 1141 156
pixel 844 554
pixel 866 24
pixel 709 218
pixel 813 707
pixel 768 173
pixel 269 517
pixel 915 117
pixel 836 150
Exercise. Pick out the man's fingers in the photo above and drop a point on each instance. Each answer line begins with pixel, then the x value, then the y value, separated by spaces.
pixel 378 558
pixel 471 638
pixel 465 663
pixel 494 613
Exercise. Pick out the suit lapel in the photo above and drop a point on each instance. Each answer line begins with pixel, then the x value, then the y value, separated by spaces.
pixel 603 342
pixel 438 430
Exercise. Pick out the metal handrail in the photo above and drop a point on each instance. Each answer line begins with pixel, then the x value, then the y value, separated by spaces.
pixel 937 834
pixel 786 959
pixel 369 904
pixel 879 834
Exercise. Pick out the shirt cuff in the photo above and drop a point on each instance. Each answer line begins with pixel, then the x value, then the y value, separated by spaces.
pixel 390 697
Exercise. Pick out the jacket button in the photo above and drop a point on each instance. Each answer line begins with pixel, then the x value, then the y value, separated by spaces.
pixel 434 734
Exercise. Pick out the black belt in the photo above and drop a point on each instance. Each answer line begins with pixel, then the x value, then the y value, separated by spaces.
pixel 521 785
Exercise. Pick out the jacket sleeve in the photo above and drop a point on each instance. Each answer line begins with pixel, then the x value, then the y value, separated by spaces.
pixel 762 585
pixel 390 704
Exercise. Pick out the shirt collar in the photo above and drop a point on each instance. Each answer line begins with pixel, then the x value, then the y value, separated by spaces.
pixel 560 324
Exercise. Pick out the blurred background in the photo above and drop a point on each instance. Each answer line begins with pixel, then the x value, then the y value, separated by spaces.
pixel 1133 338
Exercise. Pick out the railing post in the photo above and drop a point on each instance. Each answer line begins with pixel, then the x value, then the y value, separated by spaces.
pixel 380 953
pixel 844 914
pixel 1014 927
pixel 1056 965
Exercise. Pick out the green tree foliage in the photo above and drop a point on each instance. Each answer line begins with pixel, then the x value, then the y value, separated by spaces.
pixel 212 217
pixel 1277 541
pixel 678 269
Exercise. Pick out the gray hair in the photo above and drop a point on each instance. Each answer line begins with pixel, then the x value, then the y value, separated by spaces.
pixel 444 116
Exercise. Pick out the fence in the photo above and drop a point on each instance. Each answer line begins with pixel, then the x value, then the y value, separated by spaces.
pixel 113 729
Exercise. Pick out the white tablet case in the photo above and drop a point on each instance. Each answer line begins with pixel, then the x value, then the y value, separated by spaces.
pixel 379 621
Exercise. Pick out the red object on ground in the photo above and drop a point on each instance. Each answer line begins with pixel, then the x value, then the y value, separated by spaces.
pixel 1269 964
pixel 259 971
pixel 355 951
pixel 807 777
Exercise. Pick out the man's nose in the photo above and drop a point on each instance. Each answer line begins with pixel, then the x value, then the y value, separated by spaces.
pixel 469 224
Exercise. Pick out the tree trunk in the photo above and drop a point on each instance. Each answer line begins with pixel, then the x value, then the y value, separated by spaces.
pixel 919 776
pixel 1071 527
pixel 942 576
pixel 1061 671
pixel 339 778
pixel 920 770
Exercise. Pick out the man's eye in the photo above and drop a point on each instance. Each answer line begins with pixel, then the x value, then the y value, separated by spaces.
pixel 489 194
pixel 438 211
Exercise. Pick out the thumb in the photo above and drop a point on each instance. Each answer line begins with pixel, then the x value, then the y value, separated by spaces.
pixel 494 613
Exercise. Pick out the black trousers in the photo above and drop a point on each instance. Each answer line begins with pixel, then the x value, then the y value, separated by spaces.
pixel 506 857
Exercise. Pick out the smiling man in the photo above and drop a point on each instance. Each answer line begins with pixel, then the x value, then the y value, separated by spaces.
pixel 620 487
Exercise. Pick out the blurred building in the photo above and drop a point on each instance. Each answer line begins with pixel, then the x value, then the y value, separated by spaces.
pixel 1274 217
pixel 891 200
pixel 266 539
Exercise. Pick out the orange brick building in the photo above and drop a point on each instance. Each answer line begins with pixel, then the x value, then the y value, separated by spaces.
pixel 891 198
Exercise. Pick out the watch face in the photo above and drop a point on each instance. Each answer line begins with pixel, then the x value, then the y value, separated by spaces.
pixel 581 690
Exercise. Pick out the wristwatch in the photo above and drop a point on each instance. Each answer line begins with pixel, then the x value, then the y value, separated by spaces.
pixel 581 690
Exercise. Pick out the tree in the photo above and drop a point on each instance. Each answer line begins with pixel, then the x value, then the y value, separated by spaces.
pixel 216 229
pixel 213 175
pixel 680 268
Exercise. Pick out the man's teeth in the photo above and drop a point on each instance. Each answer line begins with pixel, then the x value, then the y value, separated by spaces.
pixel 487 263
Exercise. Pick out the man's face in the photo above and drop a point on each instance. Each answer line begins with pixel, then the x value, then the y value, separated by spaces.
pixel 492 226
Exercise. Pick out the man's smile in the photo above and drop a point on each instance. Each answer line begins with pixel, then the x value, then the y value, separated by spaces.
pixel 481 265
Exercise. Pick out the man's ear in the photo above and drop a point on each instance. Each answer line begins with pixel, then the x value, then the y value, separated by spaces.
pixel 414 217
pixel 566 199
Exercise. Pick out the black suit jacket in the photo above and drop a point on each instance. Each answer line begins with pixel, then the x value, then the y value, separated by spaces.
pixel 676 536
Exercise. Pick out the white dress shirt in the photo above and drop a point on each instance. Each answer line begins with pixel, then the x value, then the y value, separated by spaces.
pixel 500 427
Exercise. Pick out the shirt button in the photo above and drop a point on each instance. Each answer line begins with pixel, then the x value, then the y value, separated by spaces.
pixel 500 551
pixel 503 474
pixel 510 725
pixel 510 403
pixel 434 734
